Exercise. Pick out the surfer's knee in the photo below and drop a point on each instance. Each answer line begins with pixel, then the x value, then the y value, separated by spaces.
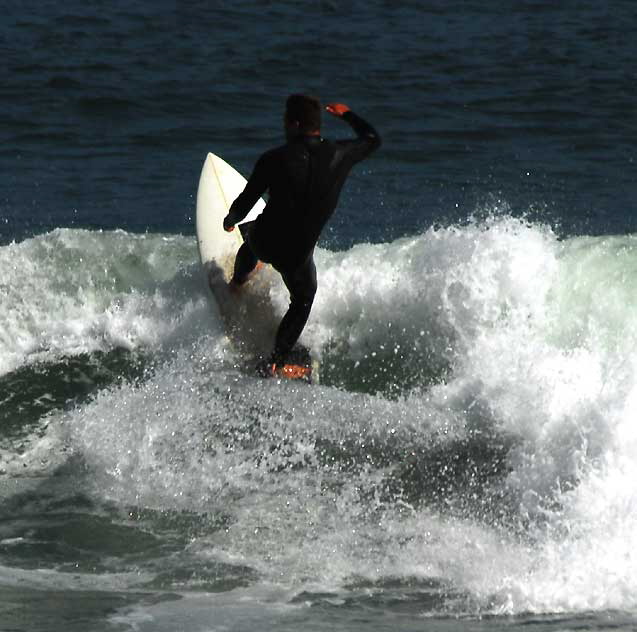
pixel 307 285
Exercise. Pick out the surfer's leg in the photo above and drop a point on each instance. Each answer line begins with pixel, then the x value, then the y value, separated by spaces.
pixel 302 286
pixel 245 262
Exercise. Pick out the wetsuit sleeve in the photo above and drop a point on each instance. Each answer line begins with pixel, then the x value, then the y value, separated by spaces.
pixel 367 141
pixel 256 186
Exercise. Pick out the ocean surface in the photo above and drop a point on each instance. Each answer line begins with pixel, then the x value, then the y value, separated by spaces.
pixel 468 461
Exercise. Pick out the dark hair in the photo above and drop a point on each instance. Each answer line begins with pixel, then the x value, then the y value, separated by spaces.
pixel 305 110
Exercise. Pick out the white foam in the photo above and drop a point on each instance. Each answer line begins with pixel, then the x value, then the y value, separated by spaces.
pixel 75 291
pixel 538 335
pixel 249 609
pixel 32 455
pixel 46 579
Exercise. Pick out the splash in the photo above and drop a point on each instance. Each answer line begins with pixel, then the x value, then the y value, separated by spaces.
pixel 500 470
pixel 75 291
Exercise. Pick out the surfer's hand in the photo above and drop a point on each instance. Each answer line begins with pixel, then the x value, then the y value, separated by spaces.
pixel 337 109
pixel 228 226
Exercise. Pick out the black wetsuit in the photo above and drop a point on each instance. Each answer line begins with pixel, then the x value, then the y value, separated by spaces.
pixel 304 179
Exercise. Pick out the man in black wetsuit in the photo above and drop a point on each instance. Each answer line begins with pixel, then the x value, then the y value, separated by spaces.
pixel 304 178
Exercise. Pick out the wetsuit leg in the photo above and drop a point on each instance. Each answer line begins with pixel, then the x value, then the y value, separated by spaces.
pixel 244 263
pixel 301 283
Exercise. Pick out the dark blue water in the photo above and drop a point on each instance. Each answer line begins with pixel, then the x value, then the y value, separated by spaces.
pixel 469 459
pixel 107 111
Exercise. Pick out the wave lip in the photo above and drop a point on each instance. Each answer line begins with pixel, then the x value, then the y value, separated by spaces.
pixel 76 291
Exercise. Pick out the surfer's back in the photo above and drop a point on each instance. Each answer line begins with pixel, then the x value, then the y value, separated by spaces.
pixel 305 178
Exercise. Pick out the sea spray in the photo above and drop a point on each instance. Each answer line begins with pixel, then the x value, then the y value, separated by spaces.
pixel 76 291
pixel 502 480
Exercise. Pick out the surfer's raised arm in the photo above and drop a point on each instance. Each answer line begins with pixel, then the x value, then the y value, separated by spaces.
pixel 368 139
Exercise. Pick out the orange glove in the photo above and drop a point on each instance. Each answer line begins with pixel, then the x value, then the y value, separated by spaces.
pixel 337 109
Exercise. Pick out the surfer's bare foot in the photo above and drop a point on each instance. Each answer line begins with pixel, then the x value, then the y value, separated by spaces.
pixel 234 288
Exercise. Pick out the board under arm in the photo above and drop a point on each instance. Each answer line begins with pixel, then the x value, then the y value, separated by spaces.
pixel 255 187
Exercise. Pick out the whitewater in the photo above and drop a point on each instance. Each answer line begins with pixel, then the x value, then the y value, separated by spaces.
pixel 473 437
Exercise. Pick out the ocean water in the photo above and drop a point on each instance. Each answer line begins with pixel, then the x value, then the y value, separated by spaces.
pixel 468 461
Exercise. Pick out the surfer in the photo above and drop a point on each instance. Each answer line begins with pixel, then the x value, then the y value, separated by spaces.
pixel 304 178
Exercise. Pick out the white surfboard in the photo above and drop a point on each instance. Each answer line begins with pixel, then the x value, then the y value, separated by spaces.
pixel 219 186
pixel 249 318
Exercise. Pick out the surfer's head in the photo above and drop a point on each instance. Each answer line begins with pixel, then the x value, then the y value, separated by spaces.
pixel 302 115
